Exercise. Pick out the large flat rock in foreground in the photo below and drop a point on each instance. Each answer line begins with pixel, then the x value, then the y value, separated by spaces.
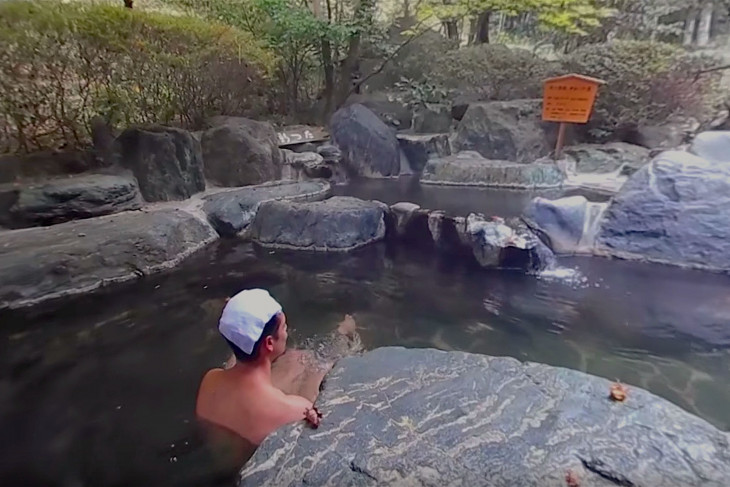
pixel 340 224
pixel 38 264
pixel 470 169
pixel 230 212
pixel 428 418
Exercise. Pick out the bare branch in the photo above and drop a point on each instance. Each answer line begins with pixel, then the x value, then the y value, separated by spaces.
pixel 392 55
pixel 711 70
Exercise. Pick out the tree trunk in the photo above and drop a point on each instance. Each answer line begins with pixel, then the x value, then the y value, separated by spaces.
pixel 329 79
pixel 452 29
pixel 705 24
pixel 472 30
pixel 482 35
pixel 350 65
pixel 690 27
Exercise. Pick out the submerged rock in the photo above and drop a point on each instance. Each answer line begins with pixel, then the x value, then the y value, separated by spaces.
pixel 338 224
pixel 471 169
pixel 166 161
pixel 418 149
pixel 230 212
pixel 239 152
pixel 569 225
pixel 38 264
pixel 424 417
pixel 61 200
pixel 674 211
pixel 369 147
pixel 508 244
pixel 507 130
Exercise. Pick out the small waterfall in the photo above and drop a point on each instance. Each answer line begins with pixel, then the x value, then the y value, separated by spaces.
pixel 591 224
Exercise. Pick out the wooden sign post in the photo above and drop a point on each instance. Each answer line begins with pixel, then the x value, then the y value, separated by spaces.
pixel 568 99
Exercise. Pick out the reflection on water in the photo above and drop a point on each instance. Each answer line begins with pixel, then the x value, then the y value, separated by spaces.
pixel 102 391
pixel 457 201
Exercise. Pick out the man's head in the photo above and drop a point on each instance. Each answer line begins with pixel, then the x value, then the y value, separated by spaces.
pixel 254 326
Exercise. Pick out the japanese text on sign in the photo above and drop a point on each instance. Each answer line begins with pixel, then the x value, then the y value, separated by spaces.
pixel 569 99
pixel 300 135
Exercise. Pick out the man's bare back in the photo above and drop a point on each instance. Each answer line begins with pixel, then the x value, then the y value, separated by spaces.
pixel 247 405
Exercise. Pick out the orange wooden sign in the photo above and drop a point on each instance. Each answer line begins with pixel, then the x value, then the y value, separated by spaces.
pixel 569 98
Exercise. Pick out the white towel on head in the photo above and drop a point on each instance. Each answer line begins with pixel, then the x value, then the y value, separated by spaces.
pixel 245 316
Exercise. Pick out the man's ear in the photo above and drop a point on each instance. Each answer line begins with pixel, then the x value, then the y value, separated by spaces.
pixel 269 343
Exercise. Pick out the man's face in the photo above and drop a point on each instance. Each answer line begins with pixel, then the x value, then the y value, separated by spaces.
pixel 280 337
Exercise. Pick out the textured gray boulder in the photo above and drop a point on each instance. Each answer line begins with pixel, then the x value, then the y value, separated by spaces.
pixel 433 119
pixel 75 198
pixel 337 224
pixel 508 130
pixel 712 146
pixel 418 149
pixel 673 210
pixel 330 153
pixel 230 212
pixel 38 264
pixel 429 418
pixel 369 147
pixel 569 225
pixel 471 169
pixel 238 152
pixel 386 107
pixel 665 136
pixel 310 165
pixel 166 162
pixel 506 244
pixel 607 158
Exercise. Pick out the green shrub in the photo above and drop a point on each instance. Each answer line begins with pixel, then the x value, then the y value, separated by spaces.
pixel 62 64
pixel 492 72
pixel 645 82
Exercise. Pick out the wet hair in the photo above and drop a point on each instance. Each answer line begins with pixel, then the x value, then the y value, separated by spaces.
pixel 271 328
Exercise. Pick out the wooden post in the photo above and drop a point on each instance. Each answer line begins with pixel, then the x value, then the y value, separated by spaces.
pixel 561 140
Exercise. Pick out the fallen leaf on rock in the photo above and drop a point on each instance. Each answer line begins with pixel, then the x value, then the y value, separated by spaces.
pixel 618 392
pixel 571 479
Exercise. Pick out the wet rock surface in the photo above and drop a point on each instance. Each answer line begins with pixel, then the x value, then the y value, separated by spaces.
pixel 38 264
pixel 712 146
pixel 424 417
pixel 230 212
pixel 166 162
pixel 471 169
pixel 62 200
pixel 239 152
pixel 369 147
pixel 672 211
pixel 338 224
pixel 567 224
pixel 507 244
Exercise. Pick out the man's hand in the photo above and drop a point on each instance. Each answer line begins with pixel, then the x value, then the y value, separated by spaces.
pixel 312 416
pixel 347 326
